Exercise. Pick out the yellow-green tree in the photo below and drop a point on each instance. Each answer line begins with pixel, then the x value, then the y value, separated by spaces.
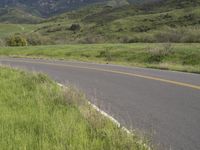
pixel 16 40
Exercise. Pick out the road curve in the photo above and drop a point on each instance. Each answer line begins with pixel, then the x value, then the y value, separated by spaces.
pixel 163 104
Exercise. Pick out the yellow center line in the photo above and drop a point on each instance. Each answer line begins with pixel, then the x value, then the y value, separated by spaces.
pixel 117 72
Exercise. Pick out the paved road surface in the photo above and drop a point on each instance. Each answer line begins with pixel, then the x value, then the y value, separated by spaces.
pixel 163 104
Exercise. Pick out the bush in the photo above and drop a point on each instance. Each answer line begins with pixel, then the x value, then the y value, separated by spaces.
pixel 169 36
pixel 157 54
pixel 55 29
pixel 16 40
pixel 37 39
pixel 136 39
pixel 191 35
pixel 125 39
pixel 191 59
pixel 105 54
pixel 75 27
pixel 91 39
pixel 141 28
pixel 179 35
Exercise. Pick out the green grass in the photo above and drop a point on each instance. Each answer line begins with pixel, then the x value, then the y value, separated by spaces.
pixel 182 57
pixel 128 24
pixel 37 114
pixel 9 29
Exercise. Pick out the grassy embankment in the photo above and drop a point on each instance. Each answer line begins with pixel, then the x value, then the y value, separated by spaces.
pixel 37 114
pixel 181 57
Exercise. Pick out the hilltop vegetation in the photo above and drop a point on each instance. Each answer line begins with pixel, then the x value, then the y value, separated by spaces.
pixel 47 8
pixel 34 11
pixel 128 24
pixel 162 21
pixel 18 15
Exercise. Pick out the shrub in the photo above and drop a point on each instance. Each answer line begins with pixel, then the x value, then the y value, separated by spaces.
pixel 157 54
pixel 189 17
pixel 191 59
pixel 166 16
pixel 167 49
pixel 125 39
pixel 91 39
pixel 37 39
pixel 88 40
pixel 34 39
pixel 169 36
pixel 179 35
pixel 136 39
pixel 55 29
pixel 16 40
pixel 105 54
pixel 191 35
pixel 141 28
pixel 75 27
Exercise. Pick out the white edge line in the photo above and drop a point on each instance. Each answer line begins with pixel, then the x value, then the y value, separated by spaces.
pixel 103 113
pixel 111 118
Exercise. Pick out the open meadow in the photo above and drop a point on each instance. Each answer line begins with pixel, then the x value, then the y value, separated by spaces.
pixel 181 57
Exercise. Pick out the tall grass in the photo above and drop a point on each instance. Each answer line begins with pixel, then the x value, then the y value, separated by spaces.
pixel 37 114
pixel 182 57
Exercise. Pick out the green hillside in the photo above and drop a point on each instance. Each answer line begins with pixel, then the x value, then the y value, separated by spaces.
pixel 166 21
pixel 126 24
pixel 48 8
pixel 18 15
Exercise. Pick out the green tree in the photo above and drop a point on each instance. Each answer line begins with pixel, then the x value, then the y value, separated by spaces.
pixel 16 40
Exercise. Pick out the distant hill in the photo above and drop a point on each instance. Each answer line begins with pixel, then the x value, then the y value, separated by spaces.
pixel 164 5
pixel 163 21
pixel 125 21
pixel 50 7
pixel 32 11
pixel 18 15
pixel 47 8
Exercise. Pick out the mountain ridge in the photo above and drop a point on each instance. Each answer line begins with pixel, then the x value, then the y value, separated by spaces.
pixel 46 8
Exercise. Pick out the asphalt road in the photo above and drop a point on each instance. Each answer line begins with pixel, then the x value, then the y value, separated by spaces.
pixel 164 105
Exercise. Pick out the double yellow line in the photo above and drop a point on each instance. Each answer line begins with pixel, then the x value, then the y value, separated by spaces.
pixel 117 72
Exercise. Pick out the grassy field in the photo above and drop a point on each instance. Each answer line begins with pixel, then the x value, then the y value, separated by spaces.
pixel 37 114
pixel 9 29
pixel 182 57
